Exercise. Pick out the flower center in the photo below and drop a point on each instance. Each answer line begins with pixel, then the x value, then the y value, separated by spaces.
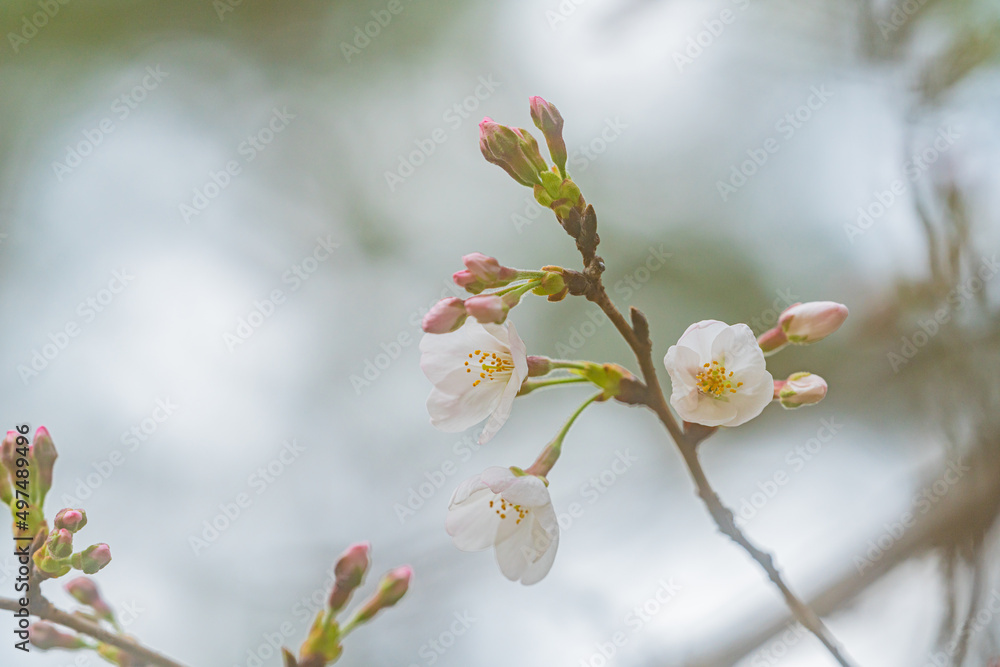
pixel 489 366
pixel 715 381
pixel 505 508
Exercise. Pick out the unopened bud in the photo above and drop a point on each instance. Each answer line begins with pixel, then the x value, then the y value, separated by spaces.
pixel 71 520
pixel 60 543
pixel 85 592
pixel 553 286
pixel 548 119
pixel 445 316
pixel 801 389
pixel 47 636
pixel 44 455
pixel 348 574
pixel 390 591
pixel 92 559
pixel 506 147
pixel 813 321
pixel 488 308
pixel 538 366
pixel 482 272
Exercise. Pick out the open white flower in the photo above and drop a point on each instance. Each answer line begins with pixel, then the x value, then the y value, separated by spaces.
pixel 718 374
pixel 513 514
pixel 477 371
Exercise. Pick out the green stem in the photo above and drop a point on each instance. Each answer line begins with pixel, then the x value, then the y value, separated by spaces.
pixel 530 385
pixel 543 464
pixel 521 289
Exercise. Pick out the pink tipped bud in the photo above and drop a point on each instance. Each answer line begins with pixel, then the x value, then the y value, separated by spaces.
pixel 390 591
pixel 488 270
pixel 445 316
pixel 71 520
pixel 801 389
pixel 548 119
pixel 487 308
pixel 93 559
pixel 349 572
pixel 60 543
pixel 507 148
pixel 85 592
pixel 46 636
pixel 813 321
pixel 538 366
pixel 44 455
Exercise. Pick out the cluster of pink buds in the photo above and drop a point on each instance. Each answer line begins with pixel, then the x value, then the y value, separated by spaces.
pixel 323 644
pixel 802 324
pixel 516 152
pixel 45 636
pixel 486 273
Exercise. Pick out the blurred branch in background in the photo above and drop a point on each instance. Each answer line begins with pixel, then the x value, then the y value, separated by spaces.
pixel 954 375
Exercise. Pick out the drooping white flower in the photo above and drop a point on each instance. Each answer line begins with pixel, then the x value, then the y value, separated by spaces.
pixel 511 513
pixel 477 371
pixel 718 374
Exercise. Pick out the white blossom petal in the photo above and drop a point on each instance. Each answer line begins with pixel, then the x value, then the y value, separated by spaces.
pixel 718 375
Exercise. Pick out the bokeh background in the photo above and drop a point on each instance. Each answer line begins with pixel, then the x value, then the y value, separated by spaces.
pixel 118 115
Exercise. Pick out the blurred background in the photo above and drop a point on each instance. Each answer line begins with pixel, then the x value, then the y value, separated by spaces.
pixel 221 222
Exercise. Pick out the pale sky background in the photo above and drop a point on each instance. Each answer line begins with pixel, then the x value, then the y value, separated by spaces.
pixel 678 131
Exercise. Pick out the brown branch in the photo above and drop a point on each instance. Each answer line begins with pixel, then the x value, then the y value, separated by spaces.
pixel 44 610
pixel 637 337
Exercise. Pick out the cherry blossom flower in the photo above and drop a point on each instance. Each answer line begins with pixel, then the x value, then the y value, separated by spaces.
pixel 477 372
pixel 718 375
pixel 511 513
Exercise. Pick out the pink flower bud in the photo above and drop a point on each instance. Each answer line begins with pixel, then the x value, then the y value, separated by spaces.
pixel 538 366
pixel 812 321
pixel 85 592
pixel 92 559
pixel 487 308
pixel 46 636
pixel 349 572
pixel 507 148
pixel 71 520
pixel 44 455
pixel 445 316
pixel 390 591
pixel 60 543
pixel 801 389
pixel 548 119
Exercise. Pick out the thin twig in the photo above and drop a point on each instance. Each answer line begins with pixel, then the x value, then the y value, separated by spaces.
pixel 46 611
pixel 637 337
